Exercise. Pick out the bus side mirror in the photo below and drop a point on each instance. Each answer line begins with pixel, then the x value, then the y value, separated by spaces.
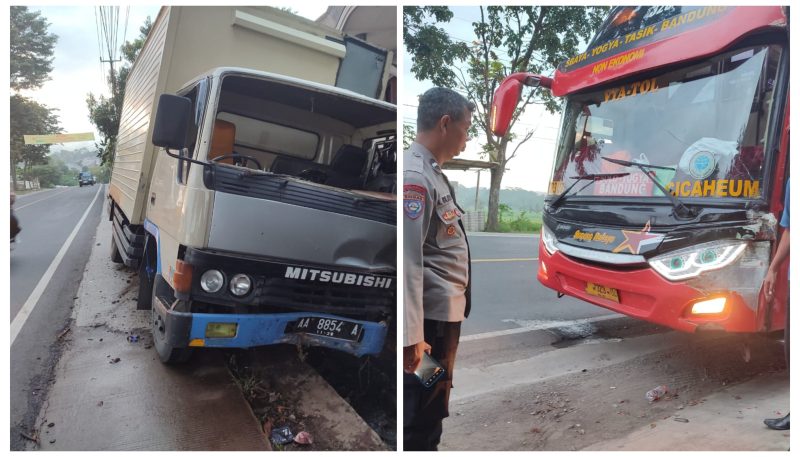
pixel 507 96
pixel 172 121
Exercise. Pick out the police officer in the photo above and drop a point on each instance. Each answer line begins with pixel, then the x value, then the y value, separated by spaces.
pixel 436 255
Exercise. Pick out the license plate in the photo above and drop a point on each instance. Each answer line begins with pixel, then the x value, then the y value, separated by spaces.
pixel 609 293
pixel 324 326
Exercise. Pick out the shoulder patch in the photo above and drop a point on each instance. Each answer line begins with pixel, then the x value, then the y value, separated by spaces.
pixel 413 200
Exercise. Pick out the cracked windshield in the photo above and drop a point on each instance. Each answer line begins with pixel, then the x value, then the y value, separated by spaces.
pixel 706 123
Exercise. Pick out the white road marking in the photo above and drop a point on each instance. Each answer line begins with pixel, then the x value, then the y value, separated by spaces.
pixel 539 325
pixel 33 299
pixel 37 201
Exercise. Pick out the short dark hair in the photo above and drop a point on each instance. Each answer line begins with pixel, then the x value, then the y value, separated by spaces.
pixel 438 101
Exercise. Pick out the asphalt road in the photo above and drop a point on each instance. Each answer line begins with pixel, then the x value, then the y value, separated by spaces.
pixel 505 292
pixel 41 295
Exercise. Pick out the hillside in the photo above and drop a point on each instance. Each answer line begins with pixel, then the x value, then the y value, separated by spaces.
pixel 76 159
pixel 517 199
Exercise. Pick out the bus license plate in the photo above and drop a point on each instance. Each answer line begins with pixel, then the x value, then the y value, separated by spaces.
pixel 609 293
pixel 333 328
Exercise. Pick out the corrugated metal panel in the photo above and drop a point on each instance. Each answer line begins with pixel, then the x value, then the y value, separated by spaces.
pixel 132 141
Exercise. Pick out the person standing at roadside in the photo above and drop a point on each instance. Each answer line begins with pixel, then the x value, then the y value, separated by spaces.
pixel 781 254
pixel 436 269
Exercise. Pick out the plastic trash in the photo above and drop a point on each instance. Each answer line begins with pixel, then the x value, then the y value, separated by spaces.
pixel 304 438
pixel 133 338
pixel 282 435
pixel 656 393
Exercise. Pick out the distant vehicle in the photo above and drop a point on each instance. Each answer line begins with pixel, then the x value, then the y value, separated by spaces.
pixel 86 179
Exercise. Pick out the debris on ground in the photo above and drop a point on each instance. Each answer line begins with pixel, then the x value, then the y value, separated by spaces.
pixel 34 438
pixel 281 435
pixel 656 393
pixel 133 338
pixel 63 333
pixel 681 419
pixel 304 438
pixel 114 360
pixel 100 403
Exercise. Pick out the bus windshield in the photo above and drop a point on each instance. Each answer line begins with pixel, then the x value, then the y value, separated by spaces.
pixel 706 123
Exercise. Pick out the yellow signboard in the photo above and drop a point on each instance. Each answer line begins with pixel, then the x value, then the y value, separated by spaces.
pixel 58 138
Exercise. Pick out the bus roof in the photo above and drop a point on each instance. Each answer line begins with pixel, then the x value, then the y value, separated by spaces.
pixel 634 39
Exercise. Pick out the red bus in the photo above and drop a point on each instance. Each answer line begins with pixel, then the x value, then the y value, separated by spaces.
pixel 670 167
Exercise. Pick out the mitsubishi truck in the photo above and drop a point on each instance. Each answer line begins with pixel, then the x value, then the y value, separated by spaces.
pixel 256 199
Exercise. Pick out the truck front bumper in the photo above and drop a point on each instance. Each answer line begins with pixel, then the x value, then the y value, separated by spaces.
pixel 265 329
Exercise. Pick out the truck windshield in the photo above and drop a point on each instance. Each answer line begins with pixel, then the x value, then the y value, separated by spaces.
pixel 706 124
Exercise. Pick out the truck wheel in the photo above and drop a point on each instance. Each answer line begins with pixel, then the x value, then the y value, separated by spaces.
pixel 167 353
pixel 147 274
pixel 116 257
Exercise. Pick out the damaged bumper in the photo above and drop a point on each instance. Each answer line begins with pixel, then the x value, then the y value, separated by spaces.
pixel 253 330
pixel 644 294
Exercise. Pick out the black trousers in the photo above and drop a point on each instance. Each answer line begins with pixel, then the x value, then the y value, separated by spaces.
pixel 424 409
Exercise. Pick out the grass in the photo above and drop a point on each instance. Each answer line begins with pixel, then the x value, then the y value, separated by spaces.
pixel 519 222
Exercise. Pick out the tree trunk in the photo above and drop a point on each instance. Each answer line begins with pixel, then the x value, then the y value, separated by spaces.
pixel 492 224
pixel 13 175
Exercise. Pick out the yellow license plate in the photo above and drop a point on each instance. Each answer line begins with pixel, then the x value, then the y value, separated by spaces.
pixel 597 290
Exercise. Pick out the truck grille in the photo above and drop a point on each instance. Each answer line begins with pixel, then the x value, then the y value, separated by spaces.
pixel 274 289
pixel 294 192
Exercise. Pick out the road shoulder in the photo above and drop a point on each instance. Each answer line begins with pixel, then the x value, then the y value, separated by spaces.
pixel 112 393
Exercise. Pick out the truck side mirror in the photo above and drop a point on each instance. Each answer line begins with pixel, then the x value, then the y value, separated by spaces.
pixel 507 96
pixel 172 121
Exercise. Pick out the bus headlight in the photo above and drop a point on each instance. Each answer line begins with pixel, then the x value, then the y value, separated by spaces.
pixel 549 240
pixel 690 262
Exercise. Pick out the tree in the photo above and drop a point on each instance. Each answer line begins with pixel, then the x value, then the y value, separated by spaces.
pixel 29 117
pixel 30 61
pixel 409 132
pixel 31 58
pixel 509 39
pixel 105 112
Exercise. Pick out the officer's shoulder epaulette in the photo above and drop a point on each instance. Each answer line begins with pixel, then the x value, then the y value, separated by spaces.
pixel 413 162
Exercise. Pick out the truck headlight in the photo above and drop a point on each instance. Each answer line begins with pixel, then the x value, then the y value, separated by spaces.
pixel 240 285
pixel 690 262
pixel 549 240
pixel 212 281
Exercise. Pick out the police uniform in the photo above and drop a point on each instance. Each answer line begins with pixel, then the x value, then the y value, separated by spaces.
pixel 436 289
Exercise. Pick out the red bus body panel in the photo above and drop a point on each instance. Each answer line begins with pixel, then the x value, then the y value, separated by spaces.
pixel 643 294
pixel 732 24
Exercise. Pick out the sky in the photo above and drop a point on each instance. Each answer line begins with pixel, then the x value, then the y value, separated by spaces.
pixel 77 70
pixel 530 169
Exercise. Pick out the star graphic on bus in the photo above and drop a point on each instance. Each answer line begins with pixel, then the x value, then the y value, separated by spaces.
pixel 634 240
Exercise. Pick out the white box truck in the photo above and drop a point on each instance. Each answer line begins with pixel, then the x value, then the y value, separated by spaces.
pixel 257 200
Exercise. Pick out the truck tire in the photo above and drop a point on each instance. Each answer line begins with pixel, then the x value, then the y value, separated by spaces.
pixel 167 353
pixel 147 274
pixel 116 257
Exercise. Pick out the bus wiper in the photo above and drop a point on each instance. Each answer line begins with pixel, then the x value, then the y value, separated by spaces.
pixel 681 210
pixel 592 177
